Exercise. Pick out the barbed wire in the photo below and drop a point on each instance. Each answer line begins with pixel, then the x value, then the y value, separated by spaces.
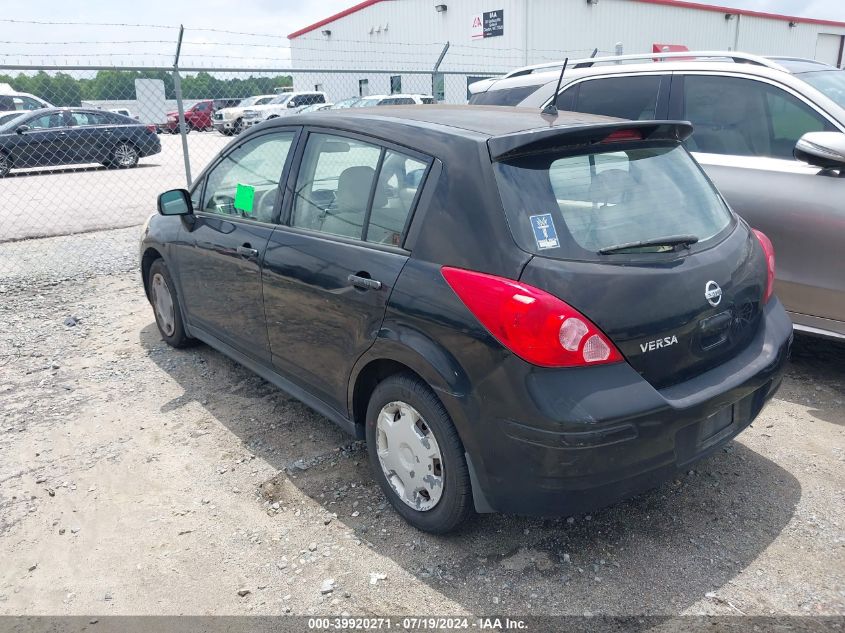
pixel 73 23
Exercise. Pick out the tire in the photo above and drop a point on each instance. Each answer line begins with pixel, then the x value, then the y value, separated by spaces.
pixel 238 127
pixel 124 155
pixel 166 307
pixel 5 165
pixel 435 446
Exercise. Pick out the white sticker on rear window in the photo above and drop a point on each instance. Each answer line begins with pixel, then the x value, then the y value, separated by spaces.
pixel 544 231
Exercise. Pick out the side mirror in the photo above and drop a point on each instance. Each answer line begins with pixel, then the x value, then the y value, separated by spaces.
pixel 22 128
pixel 175 202
pixel 292 104
pixel 822 149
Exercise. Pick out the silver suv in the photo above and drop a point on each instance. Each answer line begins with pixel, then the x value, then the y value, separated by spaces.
pixel 749 114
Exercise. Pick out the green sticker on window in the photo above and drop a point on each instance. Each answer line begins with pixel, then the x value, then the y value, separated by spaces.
pixel 244 198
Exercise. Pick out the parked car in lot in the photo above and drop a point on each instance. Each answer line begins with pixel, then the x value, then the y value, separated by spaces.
pixel 73 136
pixel 13 101
pixel 197 117
pixel 229 120
pixel 394 99
pixel 345 103
pixel 519 314
pixel 749 116
pixel 314 107
pixel 124 111
pixel 283 104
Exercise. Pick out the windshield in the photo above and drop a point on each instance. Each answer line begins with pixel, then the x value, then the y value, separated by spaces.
pixel 247 102
pixel 572 206
pixel 366 103
pixel 831 83
pixel 7 120
pixel 282 98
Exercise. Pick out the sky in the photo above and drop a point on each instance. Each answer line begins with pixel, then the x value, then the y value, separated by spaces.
pixel 260 28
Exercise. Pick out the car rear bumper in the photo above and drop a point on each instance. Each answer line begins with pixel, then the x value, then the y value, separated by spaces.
pixel 552 442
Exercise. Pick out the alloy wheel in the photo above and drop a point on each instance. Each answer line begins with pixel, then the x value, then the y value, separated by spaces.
pixel 409 456
pixel 163 304
pixel 125 155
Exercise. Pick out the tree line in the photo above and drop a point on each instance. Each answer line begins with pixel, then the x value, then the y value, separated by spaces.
pixel 61 89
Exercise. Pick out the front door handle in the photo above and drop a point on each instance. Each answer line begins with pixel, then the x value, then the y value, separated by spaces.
pixel 247 251
pixel 364 283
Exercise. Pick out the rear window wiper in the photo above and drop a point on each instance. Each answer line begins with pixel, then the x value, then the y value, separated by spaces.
pixel 672 240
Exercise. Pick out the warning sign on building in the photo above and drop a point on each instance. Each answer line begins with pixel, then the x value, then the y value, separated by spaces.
pixel 488 24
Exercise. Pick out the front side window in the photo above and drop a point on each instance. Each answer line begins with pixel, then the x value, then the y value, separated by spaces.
pixel 353 189
pixel 245 183
pixel 573 206
pixel 632 98
pixel 47 121
pixel 27 103
pixel 743 117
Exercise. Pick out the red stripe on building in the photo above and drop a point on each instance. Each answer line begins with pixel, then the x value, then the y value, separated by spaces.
pixel 681 4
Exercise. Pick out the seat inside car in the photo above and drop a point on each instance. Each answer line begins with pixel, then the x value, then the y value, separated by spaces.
pixel 346 216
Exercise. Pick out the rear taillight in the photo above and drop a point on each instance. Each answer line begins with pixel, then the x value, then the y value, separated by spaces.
pixel 536 326
pixel 151 128
pixel 769 251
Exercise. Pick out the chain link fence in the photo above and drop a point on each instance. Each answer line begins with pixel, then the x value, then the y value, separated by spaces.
pixel 117 137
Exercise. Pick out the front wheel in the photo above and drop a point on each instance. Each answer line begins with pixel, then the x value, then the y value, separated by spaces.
pixel 5 165
pixel 417 456
pixel 166 307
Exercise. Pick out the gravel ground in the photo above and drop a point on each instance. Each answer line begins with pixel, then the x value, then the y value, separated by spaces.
pixel 138 479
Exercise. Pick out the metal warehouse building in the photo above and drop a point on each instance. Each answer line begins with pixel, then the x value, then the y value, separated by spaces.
pixel 489 37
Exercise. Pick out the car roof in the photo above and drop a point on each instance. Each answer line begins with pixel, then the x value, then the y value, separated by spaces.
pixel 459 120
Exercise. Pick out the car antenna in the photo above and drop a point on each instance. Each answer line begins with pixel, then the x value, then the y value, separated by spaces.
pixel 551 108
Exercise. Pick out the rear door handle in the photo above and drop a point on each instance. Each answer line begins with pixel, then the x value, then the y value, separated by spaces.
pixel 365 283
pixel 247 251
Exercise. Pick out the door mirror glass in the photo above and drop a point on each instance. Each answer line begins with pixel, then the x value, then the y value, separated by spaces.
pixel 822 149
pixel 22 128
pixel 175 202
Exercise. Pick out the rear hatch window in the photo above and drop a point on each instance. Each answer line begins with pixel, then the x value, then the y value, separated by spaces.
pixel 636 238
pixel 576 206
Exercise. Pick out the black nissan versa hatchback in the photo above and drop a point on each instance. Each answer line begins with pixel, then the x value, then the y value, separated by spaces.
pixel 523 314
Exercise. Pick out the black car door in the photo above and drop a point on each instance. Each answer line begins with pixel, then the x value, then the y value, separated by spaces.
pixel 89 136
pixel 44 143
pixel 330 267
pixel 220 249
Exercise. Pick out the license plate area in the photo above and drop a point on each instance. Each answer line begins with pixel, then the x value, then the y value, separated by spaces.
pixel 695 439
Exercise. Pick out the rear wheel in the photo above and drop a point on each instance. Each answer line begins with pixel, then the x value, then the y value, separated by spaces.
pixel 124 156
pixel 417 456
pixel 166 307
pixel 5 165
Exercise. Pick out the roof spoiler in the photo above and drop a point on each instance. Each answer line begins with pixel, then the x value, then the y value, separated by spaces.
pixel 544 139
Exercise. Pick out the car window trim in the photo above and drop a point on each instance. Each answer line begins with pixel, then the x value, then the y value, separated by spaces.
pixel 365 229
pixel 201 180
pixel 293 174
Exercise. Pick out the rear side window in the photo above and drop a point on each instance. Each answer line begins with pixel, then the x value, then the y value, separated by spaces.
pixel 572 206
pixel 505 97
pixel 623 97
pixel 353 189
